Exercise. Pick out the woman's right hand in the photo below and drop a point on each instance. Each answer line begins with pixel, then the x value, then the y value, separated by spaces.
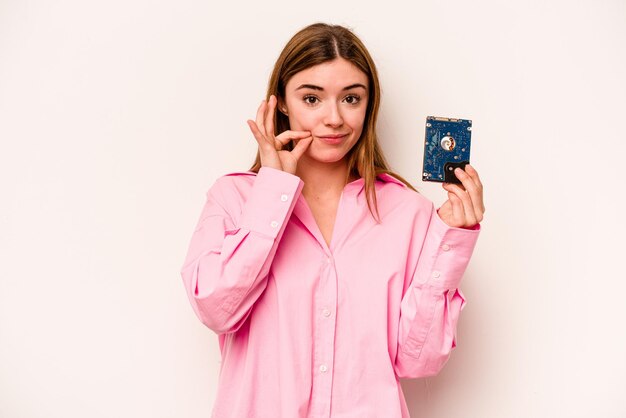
pixel 270 146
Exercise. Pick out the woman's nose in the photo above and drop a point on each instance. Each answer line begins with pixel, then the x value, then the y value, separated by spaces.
pixel 333 116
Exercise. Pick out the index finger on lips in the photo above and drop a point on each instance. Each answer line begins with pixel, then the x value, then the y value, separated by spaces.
pixel 287 136
pixel 301 147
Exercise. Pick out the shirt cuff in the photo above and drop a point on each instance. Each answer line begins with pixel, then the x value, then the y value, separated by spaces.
pixel 446 254
pixel 273 197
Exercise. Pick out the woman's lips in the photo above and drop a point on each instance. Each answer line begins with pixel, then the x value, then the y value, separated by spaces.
pixel 333 139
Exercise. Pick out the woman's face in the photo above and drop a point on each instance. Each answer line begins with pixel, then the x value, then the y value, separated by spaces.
pixel 330 101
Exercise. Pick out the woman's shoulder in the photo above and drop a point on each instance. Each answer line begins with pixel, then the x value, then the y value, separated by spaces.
pixel 238 185
pixel 236 178
pixel 231 188
pixel 266 175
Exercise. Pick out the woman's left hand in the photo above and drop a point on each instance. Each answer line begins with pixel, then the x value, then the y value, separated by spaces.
pixel 464 207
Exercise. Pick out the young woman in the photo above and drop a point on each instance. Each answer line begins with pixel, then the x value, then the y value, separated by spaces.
pixel 326 276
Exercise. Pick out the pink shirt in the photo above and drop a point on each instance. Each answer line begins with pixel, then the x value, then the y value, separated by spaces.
pixel 310 330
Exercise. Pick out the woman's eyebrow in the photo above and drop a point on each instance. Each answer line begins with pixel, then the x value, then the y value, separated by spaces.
pixel 314 87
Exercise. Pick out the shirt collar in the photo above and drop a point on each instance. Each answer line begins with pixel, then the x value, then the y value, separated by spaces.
pixel 388 178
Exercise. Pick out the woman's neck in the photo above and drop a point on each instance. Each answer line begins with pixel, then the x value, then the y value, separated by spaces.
pixel 322 180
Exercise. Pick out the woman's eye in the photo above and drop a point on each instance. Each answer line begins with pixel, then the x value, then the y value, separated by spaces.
pixel 352 99
pixel 310 99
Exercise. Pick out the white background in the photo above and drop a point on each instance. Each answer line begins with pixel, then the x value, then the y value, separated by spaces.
pixel 117 116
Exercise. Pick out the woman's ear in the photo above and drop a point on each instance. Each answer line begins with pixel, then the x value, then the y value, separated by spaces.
pixel 281 106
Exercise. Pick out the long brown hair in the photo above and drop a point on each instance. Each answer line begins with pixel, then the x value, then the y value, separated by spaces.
pixel 316 44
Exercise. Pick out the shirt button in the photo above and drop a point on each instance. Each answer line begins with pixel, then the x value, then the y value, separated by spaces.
pixel 323 368
pixel 326 312
pixel 329 260
pixel 274 224
pixel 436 274
pixel 284 197
pixel 445 247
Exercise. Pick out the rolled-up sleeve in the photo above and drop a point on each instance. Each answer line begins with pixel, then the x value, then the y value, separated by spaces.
pixel 232 247
pixel 432 303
